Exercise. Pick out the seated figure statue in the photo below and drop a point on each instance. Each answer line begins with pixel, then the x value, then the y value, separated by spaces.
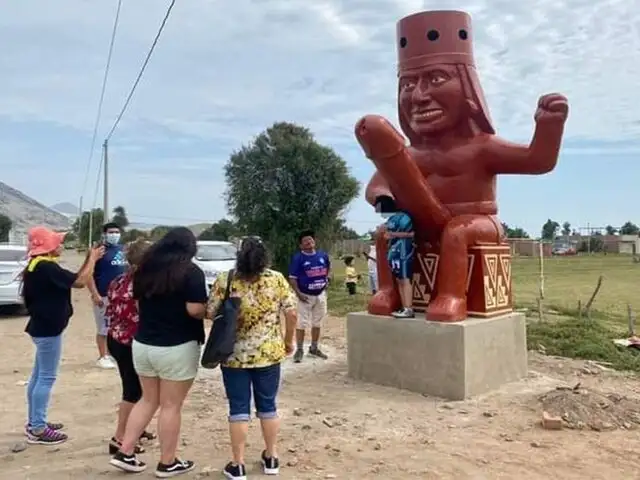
pixel 445 178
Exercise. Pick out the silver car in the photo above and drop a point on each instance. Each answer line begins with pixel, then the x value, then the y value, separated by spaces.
pixel 13 260
pixel 215 257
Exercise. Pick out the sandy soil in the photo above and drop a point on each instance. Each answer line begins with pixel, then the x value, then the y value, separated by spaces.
pixel 332 426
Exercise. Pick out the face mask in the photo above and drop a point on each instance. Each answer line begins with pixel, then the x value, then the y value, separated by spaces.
pixel 112 238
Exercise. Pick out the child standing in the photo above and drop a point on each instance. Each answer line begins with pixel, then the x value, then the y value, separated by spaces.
pixel 398 230
pixel 350 275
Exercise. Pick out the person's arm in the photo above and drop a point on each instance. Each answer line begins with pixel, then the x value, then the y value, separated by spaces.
pixel 400 234
pixel 215 298
pixel 294 271
pixel 288 306
pixel 85 274
pixel 196 293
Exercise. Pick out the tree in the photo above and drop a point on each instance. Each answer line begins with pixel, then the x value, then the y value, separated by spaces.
pixel 342 232
pixel 610 230
pixel 120 217
pixel 566 229
pixel 550 230
pixel 514 232
pixel 285 182
pixel 81 226
pixel 5 227
pixel 134 234
pixel 629 229
pixel 594 244
pixel 159 232
pixel 222 230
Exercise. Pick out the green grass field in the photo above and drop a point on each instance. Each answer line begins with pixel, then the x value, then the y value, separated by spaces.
pixel 567 280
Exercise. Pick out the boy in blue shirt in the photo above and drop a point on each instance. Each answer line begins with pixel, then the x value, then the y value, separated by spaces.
pixel 110 266
pixel 398 230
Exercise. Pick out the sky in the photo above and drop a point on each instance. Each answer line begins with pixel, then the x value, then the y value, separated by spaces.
pixel 223 71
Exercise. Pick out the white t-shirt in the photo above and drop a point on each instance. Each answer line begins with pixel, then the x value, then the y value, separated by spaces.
pixel 373 268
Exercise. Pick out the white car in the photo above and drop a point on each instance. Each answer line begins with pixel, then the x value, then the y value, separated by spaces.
pixel 215 257
pixel 13 260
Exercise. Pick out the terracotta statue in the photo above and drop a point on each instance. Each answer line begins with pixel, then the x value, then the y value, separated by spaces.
pixel 446 177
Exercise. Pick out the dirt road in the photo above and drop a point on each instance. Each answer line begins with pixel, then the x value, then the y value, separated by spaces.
pixel 333 427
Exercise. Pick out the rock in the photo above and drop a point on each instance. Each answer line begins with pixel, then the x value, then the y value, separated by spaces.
pixel 317 412
pixel 377 446
pixel 18 447
pixel 536 444
pixel 489 414
pixel 551 423
pixel 328 422
pixel 306 427
pixel 292 450
pixel 463 412
pixel 330 475
pixel 292 463
pixel 297 412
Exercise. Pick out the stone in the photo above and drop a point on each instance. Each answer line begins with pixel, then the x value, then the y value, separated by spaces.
pixel 550 422
pixel 449 360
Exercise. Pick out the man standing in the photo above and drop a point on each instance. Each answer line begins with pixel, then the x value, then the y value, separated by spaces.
pixel 111 265
pixel 372 266
pixel 309 277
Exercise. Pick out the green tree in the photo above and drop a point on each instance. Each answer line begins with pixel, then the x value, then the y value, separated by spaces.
pixel 134 234
pixel 610 230
pixel 159 232
pixel 81 226
pixel 516 232
pixel 566 229
pixel 284 182
pixel 120 217
pixel 550 229
pixel 629 228
pixel 222 230
pixel 5 227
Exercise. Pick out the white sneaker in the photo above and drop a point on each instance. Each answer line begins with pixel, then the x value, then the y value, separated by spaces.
pixel 106 363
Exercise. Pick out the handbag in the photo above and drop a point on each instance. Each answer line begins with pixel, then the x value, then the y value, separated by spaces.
pixel 222 337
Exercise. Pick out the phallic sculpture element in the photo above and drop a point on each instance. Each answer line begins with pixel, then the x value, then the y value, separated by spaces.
pixel 446 178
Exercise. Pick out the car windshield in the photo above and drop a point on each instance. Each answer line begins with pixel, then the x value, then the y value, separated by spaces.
pixel 12 255
pixel 209 253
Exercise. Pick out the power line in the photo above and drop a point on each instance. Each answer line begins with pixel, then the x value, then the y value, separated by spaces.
pixel 101 101
pixel 144 66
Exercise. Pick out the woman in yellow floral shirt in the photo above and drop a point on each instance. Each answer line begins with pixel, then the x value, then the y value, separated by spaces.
pixel 260 348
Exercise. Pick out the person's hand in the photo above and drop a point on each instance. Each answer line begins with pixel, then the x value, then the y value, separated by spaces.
pixel 303 299
pixel 96 253
pixel 97 300
pixel 289 347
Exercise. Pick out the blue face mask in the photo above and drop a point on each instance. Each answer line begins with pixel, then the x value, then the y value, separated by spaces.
pixel 112 238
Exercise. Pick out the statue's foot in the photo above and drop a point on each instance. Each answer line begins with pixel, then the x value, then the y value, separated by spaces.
pixel 447 308
pixel 384 302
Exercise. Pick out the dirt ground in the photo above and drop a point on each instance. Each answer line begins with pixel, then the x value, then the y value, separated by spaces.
pixel 332 426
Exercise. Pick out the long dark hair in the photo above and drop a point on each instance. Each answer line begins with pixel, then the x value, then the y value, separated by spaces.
pixel 252 259
pixel 165 264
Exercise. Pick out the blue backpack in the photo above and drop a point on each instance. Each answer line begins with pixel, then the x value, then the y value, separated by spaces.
pixel 222 337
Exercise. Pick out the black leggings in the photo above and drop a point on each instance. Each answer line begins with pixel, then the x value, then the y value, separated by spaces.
pixel 131 389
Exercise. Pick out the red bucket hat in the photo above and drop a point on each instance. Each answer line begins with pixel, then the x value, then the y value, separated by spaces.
pixel 43 241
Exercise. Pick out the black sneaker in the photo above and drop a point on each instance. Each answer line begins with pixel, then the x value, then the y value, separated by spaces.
pixel 128 463
pixel 316 352
pixel 270 465
pixel 235 471
pixel 297 357
pixel 178 467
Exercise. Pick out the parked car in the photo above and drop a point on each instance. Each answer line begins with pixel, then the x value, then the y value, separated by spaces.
pixel 563 250
pixel 215 257
pixel 13 260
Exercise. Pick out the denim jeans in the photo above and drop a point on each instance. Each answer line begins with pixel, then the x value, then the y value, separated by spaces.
pixel 43 376
pixel 373 281
pixel 238 383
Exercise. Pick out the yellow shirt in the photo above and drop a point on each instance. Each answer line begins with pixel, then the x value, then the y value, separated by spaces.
pixel 259 341
pixel 350 275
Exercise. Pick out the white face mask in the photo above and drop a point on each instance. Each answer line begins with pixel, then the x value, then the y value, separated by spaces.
pixel 112 238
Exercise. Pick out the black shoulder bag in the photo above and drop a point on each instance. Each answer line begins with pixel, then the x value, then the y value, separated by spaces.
pixel 222 337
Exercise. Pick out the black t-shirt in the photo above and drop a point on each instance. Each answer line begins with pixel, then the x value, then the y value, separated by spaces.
pixel 164 320
pixel 47 296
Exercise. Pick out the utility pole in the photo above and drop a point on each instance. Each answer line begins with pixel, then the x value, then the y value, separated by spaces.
pixel 106 182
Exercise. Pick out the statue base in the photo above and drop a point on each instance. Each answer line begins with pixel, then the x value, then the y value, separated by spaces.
pixel 449 360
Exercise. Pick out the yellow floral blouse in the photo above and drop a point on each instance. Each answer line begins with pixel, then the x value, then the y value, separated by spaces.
pixel 259 341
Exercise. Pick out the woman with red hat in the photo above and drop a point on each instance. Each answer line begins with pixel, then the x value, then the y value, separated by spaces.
pixel 46 290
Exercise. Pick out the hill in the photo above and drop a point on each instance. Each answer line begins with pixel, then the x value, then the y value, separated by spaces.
pixel 25 212
pixel 66 208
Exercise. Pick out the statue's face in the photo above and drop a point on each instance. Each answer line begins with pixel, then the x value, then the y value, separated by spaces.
pixel 432 100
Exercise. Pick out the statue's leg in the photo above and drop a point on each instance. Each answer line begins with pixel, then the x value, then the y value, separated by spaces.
pixel 387 298
pixel 450 304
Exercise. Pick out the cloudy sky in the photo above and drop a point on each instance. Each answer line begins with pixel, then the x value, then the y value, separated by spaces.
pixel 225 70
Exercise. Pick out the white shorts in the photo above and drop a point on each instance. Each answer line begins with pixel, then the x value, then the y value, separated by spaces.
pixel 177 363
pixel 312 313
pixel 102 325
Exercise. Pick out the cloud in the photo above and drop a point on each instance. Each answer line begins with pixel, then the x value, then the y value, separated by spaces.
pixel 224 70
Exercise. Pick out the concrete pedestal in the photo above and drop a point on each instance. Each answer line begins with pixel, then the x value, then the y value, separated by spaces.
pixel 449 360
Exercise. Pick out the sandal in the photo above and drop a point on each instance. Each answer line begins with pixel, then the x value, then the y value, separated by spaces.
pixel 148 436
pixel 114 447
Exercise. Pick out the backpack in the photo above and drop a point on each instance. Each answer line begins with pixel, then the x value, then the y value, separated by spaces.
pixel 222 337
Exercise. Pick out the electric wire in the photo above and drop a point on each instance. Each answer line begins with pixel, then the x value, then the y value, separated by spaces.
pixel 142 69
